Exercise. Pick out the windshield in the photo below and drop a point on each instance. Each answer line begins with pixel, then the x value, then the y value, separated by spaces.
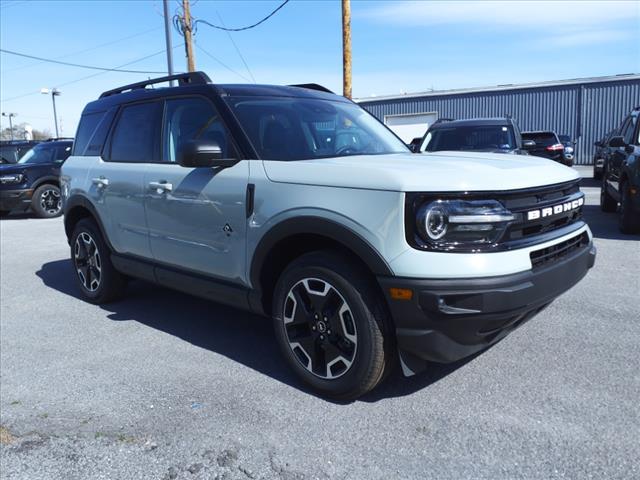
pixel 46 154
pixel 479 137
pixel 282 128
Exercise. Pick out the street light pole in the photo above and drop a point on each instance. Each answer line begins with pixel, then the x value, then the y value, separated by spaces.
pixel 167 35
pixel 54 93
pixel 10 115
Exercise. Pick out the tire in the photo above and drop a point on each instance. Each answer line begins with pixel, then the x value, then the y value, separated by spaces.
pixel 325 304
pixel 98 281
pixel 607 202
pixel 629 220
pixel 46 201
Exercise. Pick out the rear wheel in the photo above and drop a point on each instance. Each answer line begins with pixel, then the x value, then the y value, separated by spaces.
pixel 98 281
pixel 331 325
pixel 607 202
pixel 46 201
pixel 629 219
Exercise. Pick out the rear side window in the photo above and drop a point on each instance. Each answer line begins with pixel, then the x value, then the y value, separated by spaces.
pixel 136 135
pixel 86 129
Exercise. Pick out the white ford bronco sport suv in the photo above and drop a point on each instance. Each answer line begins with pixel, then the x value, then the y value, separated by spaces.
pixel 297 204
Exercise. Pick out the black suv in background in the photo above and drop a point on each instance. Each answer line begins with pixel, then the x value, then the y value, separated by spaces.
pixel 621 177
pixel 34 182
pixel 498 135
pixel 548 145
pixel 12 150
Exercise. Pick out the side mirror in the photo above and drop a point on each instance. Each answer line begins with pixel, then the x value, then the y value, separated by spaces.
pixel 616 142
pixel 528 144
pixel 201 153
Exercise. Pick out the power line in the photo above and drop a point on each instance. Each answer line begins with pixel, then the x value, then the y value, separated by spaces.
pixel 95 74
pixel 237 50
pixel 88 49
pixel 10 52
pixel 221 62
pixel 240 29
pixel 119 66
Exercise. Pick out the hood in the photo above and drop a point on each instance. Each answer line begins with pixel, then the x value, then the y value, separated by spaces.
pixel 433 172
pixel 6 168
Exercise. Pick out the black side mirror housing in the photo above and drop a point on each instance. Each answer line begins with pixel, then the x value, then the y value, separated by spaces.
pixel 616 142
pixel 528 144
pixel 201 153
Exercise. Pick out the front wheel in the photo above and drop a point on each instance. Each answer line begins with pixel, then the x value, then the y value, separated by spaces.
pixel 46 201
pixel 629 219
pixel 332 326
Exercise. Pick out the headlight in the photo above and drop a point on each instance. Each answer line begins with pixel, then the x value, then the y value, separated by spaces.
pixel 450 224
pixel 11 178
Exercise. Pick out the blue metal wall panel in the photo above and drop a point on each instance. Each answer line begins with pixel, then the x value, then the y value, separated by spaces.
pixel 583 111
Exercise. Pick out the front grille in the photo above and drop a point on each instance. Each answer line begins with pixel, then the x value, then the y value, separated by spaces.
pixel 545 256
pixel 541 201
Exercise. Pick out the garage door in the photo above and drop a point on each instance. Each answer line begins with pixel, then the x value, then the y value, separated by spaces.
pixel 410 126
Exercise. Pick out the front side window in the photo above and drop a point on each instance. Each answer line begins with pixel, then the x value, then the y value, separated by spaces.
pixel 62 153
pixel 628 129
pixel 189 119
pixel 283 128
pixel 470 138
pixel 136 134
pixel 39 154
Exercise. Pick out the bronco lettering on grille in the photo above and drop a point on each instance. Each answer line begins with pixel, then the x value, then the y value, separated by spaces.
pixel 555 210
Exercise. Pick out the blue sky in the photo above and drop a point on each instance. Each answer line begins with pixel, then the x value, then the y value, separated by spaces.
pixel 398 46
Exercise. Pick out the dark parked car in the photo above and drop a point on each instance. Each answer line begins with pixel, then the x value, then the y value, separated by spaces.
pixel 34 181
pixel 548 145
pixel 498 135
pixel 11 151
pixel 602 153
pixel 621 177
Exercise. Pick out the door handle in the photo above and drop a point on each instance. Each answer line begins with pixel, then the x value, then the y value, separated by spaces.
pixel 161 186
pixel 100 181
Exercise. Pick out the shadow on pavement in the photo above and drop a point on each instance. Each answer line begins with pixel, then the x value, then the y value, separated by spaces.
pixel 17 216
pixel 238 335
pixel 604 225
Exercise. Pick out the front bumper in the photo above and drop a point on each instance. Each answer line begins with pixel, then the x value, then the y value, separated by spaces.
pixel 449 319
pixel 15 199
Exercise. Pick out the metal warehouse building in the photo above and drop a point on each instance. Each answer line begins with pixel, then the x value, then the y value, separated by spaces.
pixel 585 109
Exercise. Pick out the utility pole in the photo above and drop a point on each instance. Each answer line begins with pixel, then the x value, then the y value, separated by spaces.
pixel 54 93
pixel 188 39
pixel 10 115
pixel 167 36
pixel 346 48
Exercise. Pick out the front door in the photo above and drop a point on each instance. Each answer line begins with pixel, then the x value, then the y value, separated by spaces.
pixel 196 216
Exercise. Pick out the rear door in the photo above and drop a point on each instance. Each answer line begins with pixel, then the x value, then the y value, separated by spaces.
pixel 117 180
pixel 197 216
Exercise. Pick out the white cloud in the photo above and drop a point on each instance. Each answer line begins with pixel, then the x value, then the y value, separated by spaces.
pixel 542 14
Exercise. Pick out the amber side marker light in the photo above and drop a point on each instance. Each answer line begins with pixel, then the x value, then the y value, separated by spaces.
pixel 401 293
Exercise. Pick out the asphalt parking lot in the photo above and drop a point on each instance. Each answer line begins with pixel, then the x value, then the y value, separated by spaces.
pixel 162 385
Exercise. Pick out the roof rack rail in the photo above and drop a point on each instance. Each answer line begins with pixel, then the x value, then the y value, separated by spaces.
pixel 441 120
pixel 58 139
pixel 188 78
pixel 312 86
